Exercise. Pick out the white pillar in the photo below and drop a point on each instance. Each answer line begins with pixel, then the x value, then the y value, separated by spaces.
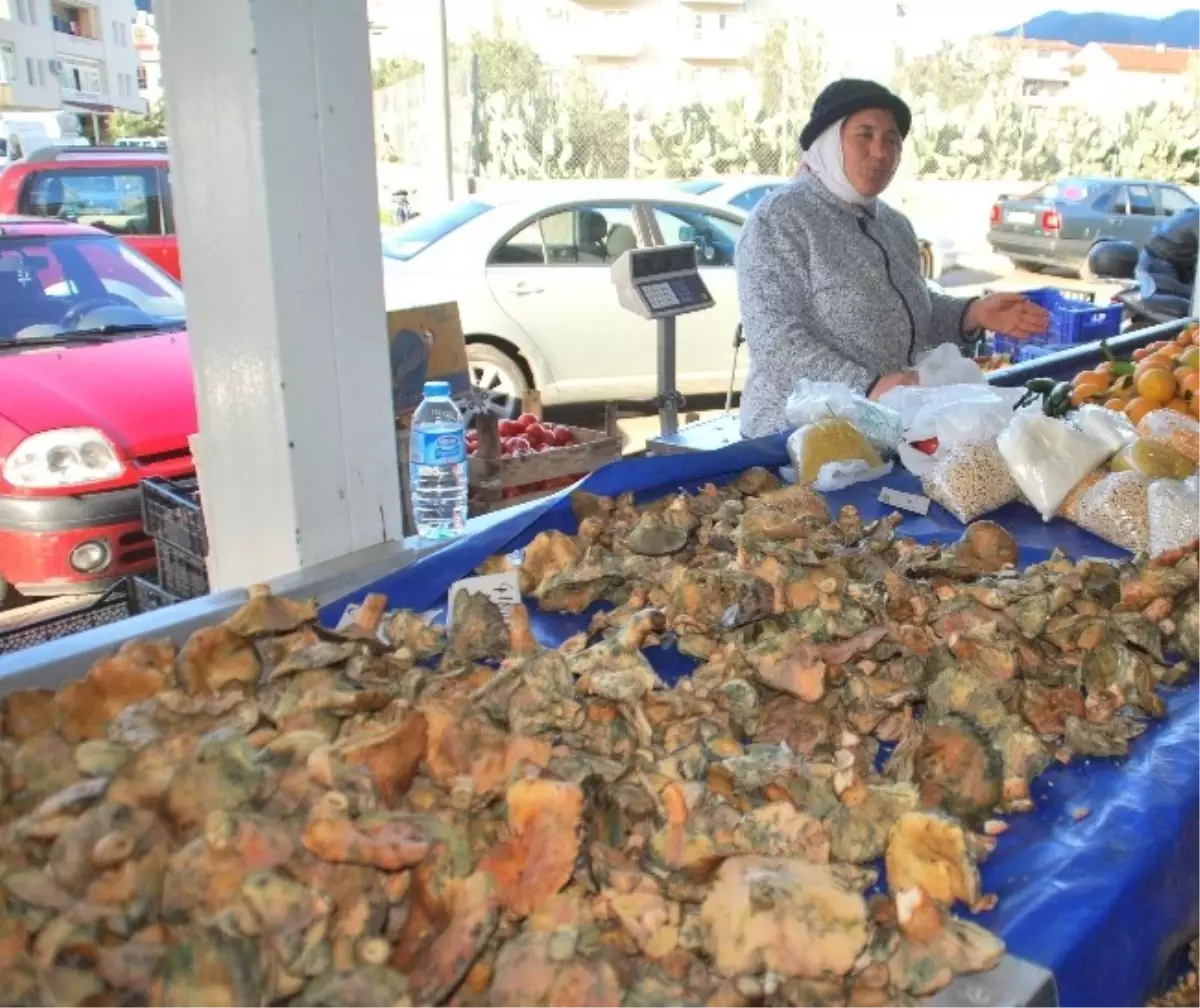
pixel 439 147
pixel 272 163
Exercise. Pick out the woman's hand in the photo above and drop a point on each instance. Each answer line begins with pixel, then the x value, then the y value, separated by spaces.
pixel 891 381
pixel 1011 314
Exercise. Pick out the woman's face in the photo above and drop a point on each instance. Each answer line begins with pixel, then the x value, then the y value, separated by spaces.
pixel 871 146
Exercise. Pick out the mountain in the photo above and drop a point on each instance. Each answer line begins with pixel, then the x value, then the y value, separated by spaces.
pixel 1179 31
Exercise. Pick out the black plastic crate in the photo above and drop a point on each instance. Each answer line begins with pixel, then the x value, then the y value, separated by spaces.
pixel 113 605
pixel 145 596
pixel 180 573
pixel 171 513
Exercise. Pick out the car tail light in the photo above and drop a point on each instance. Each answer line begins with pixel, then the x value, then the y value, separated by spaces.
pixel 996 212
pixel 1051 220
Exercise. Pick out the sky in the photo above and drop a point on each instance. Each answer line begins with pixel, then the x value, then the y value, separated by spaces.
pixel 956 18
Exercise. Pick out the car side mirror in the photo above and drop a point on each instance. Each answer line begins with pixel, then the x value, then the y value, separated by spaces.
pixel 1113 260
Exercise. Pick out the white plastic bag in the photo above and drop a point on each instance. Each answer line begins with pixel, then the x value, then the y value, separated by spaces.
pixel 812 401
pixel 1110 428
pixel 969 481
pixel 835 439
pixel 1174 514
pixel 839 475
pixel 1117 509
pixel 945 365
pixel 1047 458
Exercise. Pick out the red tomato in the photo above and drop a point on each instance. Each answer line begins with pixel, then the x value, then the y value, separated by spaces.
pixel 510 428
pixel 536 434
pixel 527 420
pixel 563 436
pixel 929 446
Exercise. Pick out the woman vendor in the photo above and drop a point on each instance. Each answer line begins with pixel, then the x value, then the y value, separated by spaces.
pixel 829 276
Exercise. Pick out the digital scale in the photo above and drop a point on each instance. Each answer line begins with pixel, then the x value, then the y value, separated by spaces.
pixel 661 283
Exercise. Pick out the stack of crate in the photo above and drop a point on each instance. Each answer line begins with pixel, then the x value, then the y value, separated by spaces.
pixel 172 517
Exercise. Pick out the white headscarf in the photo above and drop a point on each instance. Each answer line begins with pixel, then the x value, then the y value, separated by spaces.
pixel 826 159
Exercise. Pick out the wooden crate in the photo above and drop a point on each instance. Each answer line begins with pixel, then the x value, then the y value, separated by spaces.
pixel 492 474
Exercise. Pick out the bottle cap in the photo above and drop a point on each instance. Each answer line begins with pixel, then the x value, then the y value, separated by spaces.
pixel 437 389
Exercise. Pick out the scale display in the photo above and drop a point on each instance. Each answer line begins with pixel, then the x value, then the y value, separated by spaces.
pixel 660 282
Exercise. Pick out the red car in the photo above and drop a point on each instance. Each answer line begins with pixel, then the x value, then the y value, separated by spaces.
pixel 95 394
pixel 121 190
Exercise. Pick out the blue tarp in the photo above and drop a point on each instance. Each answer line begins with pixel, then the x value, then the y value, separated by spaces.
pixel 1099 884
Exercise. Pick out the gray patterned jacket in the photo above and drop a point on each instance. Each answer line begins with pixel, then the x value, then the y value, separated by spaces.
pixel 832 292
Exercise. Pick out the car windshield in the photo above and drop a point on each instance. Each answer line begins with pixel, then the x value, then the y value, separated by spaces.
pixel 418 234
pixel 52 286
pixel 1065 190
pixel 698 187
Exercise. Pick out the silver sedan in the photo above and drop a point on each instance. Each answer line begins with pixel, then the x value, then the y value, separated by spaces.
pixel 531 277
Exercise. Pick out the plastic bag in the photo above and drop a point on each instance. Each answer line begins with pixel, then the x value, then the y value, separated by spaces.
pixel 945 365
pixel 1174 430
pixel 1047 458
pixel 1110 428
pixel 1069 508
pixel 969 481
pixel 833 440
pixel 1174 508
pixel 1153 459
pixel 812 401
pixel 839 475
pixel 1117 509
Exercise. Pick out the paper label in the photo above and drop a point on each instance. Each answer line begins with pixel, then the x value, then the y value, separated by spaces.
pixel 503 589
pixel 350 615
pixel 905 501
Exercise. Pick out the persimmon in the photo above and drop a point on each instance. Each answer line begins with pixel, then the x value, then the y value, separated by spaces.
pixel 1157 385
pixel 1137 408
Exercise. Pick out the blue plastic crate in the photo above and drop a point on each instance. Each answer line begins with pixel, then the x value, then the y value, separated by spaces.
pixel 1074 319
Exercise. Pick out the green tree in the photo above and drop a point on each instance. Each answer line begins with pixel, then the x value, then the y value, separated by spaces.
pixel 130 124
pixel 387 72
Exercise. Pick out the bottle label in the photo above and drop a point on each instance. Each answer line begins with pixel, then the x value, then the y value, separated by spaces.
pixel 437 448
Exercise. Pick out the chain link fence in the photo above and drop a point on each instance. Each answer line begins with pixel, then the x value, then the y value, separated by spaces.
pixel 987 109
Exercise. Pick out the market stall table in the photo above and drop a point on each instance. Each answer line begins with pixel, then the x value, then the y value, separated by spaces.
pixel 1098 899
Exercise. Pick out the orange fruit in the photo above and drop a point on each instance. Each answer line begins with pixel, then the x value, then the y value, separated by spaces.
pixel 1089 378
pixel 1180 406
pixel 1190 357
pixel 1140 354
pixel 1082 393
pixel 1157 345
pixel 1181 373
pixel 1190 382
pixel 1157 385
pixel 1135 409
pixel 1115 404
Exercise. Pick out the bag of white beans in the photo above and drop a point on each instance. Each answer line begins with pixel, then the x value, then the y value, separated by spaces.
pixel 969 480
pixel 1174 511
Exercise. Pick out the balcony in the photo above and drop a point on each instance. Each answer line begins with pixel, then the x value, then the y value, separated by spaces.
pixel 611 39
pixel 77 21
pixel 715 46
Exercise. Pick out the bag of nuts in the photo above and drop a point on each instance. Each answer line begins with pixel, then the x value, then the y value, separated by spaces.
pixel 970 480
pixel 1117 509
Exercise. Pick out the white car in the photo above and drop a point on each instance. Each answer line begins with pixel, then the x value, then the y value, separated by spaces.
pixel 744 192
pixel 531 277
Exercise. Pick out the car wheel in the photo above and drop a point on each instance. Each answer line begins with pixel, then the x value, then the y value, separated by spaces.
pixel 497 383
pixel 1086 274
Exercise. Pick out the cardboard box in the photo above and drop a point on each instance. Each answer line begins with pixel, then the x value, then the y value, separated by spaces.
pixel 425 344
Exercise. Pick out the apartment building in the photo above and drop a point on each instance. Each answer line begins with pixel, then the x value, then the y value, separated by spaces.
pixel 68 55
pixel 667 51
pixel 149 68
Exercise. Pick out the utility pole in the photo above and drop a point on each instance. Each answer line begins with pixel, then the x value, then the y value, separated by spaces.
pixel 440 171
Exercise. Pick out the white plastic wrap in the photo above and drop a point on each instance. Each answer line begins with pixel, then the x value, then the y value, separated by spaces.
pixel 969 481
pixel 1110 428
pixel 1047 458
pixel 945 365
pixel 839 475
pixel 812 401
pixel 1174 507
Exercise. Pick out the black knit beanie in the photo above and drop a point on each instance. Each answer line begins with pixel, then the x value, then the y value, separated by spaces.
pixel 845 97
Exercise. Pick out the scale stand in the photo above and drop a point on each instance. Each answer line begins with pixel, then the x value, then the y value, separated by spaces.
pixel 660 283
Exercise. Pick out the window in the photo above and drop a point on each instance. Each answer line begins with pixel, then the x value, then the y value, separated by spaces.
pixel 82 77
pixel 582 236
pixel 1173 201
pixel 749 199
pixel 32 11
pixel 715 237
pixel 1065 190
pixel 141 77
pixel 120 201
pixel 41 65
pixel 417 235
pixel 1141 202
pixel 22 15
pixel 30 70
pixel 8 63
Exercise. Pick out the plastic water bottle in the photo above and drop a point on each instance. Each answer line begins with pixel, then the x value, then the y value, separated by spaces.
pixel 437 467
